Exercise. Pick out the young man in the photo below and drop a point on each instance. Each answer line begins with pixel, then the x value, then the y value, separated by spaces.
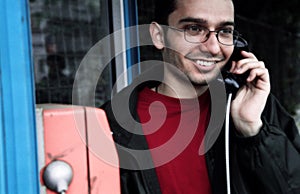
pixel 159 126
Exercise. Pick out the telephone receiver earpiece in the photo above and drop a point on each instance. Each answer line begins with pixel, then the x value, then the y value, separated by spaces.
pixel 235 81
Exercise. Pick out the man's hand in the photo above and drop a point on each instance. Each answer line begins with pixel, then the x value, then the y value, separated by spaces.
pixel 251 99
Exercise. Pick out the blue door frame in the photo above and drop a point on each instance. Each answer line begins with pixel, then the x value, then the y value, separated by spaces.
pixel 18 147
pixel 132 55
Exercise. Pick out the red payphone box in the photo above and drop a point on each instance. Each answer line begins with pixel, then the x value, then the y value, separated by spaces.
pixel 80 139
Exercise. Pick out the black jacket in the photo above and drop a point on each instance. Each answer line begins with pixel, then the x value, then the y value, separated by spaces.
pixel 268 163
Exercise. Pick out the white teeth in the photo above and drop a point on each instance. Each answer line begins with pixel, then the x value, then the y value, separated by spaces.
pixel 204 63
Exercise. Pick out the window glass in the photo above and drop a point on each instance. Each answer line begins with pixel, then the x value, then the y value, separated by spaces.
pixel 62 34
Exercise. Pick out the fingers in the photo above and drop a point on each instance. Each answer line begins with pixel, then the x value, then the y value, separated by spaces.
pixel 258 72
pixel 248 63
pixel 263 73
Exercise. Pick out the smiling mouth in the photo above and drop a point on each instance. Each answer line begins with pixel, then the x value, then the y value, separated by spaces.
pixel 205 63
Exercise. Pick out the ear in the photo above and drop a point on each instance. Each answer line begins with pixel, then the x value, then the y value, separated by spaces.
pixel 157 35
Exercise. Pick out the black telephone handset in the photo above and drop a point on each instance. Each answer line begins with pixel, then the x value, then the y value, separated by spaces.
pixel 234 81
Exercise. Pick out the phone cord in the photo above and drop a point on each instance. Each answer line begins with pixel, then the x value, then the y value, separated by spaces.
pixel 227 143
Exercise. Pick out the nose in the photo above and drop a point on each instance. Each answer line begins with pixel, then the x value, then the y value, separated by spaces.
pixel 212 44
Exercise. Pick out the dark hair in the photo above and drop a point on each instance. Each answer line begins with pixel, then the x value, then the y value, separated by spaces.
pixel 163 8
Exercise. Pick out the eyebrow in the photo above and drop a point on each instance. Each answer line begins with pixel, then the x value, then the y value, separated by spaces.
pixel 202 21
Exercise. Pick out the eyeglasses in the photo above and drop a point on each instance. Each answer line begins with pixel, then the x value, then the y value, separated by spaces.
pixel 199 34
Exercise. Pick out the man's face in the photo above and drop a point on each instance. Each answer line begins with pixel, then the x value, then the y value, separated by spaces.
pixel 200 62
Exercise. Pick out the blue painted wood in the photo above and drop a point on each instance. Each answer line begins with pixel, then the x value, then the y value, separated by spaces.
pixel 18 147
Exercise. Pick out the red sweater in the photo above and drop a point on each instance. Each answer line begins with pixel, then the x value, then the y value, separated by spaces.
pixel 174 132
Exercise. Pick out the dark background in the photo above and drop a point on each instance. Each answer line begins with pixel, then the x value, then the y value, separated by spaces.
pixel 272 29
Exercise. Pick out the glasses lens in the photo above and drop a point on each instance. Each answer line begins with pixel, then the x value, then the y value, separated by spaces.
pixel 195 33
pixel 200 35
pixel 228 37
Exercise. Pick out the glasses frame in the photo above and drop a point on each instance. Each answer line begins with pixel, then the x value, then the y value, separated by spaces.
pixel 235 37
